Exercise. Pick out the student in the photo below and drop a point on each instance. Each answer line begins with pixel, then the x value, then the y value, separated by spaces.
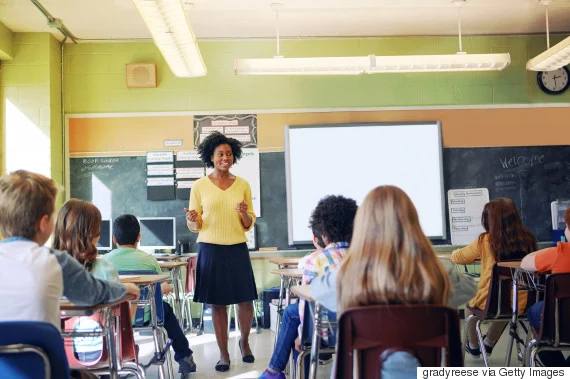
pixel 33 278
pixel 505 238
pixel 557 261
pixel 77 231
pixel 126 235
pixel 332 222
pixel 391 261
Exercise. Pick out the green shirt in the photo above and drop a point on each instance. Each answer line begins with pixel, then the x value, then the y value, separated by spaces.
pixel 129 259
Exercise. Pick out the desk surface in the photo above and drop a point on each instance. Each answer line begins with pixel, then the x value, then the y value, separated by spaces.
pixel 66 306
pixel 285 261
pixel 171 265
pixel 516 264
pixel 170 257
pixel 143 280
pixel 303 292
pixel 289 272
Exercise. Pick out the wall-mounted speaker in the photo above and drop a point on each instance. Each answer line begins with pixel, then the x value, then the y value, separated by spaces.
pixel 141 75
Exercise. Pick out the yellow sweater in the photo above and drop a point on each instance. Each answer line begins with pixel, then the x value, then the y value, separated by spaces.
pixel 468 255
pixel 221 222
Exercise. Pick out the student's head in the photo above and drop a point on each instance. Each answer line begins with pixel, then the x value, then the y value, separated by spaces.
pixel 567 221
pixel 333 218
pixel 27 206
pixel 220 152
pixel 390 260
pixel 508 237
pixel 77 230
pixel 126 230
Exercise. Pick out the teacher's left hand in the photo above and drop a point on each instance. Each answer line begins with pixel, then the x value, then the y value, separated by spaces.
pixel 242 207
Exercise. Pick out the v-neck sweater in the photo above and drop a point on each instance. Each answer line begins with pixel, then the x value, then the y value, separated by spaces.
pixel 221 222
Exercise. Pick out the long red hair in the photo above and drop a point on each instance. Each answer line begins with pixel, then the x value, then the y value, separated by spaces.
pixel 508 239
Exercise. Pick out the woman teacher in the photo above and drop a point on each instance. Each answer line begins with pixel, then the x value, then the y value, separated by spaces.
pixel 221 211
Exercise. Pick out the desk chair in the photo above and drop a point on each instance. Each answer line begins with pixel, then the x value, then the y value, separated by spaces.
pixel 31 350
pixel 367 334
pixel 554 333
pixel 126 345
pixel 498 307
pixel 190 287
pixel 325 349
pixel 160 339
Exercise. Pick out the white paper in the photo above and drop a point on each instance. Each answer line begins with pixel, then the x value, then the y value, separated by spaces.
pixel 152 182
pixel 159 156
pixel 189 172
pixel 465 209
pixel 236 129
pixel 187 155
pixel 159 169
pixel 184 183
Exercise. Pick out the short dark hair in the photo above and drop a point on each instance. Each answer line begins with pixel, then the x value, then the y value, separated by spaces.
pixel 209 144
pixel 126 229
pixel 334 218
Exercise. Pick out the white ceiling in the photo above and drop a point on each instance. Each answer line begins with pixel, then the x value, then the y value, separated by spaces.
pixel 119 19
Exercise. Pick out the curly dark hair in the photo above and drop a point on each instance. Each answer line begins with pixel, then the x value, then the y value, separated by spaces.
pixel 333 218
pixel 209 144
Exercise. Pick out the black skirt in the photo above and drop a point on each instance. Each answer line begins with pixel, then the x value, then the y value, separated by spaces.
pixel 224 275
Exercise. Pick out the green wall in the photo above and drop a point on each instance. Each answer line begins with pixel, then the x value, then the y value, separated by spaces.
pixel 95 77
pixel 6 43
pixel 31 82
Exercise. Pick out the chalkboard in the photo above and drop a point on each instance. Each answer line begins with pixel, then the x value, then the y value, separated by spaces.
pixel 120 182
pixel 531 176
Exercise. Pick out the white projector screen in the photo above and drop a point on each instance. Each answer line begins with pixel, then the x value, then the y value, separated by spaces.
pixel 353 159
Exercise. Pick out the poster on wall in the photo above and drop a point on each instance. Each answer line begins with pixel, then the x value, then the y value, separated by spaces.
pixel 242 127
pixel 465 209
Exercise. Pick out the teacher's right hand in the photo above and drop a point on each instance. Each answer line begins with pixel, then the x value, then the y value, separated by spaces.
pixel 191 215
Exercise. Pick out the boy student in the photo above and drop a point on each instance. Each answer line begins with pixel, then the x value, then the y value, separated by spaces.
pixel 557 261
pixel 126 235
pixel 331 223
pixel 33 278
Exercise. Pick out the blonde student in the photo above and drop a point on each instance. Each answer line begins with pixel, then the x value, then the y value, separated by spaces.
pixel 33 278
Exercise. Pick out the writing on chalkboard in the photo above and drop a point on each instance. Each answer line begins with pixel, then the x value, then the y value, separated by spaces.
pixel 521 162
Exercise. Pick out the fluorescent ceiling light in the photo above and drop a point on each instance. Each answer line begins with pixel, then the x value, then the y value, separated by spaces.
pixel 171 32
pixel 371 64
pixel 554 57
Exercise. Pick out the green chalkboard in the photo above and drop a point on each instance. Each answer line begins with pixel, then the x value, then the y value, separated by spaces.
pixel 121 180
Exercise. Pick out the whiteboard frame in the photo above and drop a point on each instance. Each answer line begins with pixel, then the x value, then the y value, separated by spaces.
pixel 286 130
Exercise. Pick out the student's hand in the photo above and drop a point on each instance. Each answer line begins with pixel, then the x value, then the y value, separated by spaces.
pixel 191 215
pixel 165 288
pixel 133 291
pixel 242 207
pixel 298 345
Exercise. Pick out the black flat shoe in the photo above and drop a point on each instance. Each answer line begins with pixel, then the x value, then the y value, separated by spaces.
pixel 222 367
pixel 246 358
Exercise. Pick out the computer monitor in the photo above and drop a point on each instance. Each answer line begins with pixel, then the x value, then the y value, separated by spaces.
pixel 106 237
pixel 158 232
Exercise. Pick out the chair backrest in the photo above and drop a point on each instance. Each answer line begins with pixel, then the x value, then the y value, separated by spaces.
pixel 191 274
pixel 499 304
pixel 126 349
pixel 28 363
pixel 139 317
pixel 555 328
pixel 429 332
